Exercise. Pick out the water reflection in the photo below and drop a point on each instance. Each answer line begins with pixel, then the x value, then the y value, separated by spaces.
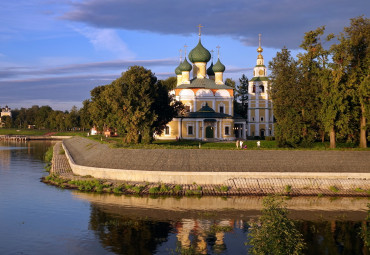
pixel 141 225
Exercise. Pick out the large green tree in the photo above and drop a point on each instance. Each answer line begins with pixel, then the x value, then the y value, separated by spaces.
pixel 355 50
pixel 136 104
pixel 286 95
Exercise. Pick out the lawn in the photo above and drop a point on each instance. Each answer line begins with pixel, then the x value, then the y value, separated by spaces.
pixel 116 142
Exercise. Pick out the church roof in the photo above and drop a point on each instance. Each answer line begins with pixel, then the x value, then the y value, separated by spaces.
pixel 185 66
pixel 207 112
pixel 259 79
pixel 218 67
pixel 210 71
pixel 178 71
pixel 203 83
pixel 199 54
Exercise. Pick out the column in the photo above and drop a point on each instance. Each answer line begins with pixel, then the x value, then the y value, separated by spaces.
pixel 195 105
pixel 203 129
pixel 214 105
pixel 197 129
pixel 244 136
pixel 216 129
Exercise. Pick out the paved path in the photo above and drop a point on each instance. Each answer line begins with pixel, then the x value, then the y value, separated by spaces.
pixel 90 153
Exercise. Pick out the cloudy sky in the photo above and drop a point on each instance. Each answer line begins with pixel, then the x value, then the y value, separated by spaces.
pixel 53 52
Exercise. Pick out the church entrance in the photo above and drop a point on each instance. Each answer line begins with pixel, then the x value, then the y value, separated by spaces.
pixel 262 133
pixel 209 132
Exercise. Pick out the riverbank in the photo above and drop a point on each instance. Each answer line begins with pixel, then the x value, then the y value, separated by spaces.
pixel 22 138
pixel 62 175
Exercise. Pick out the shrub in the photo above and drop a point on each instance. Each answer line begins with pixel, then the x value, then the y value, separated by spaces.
pixel 224 188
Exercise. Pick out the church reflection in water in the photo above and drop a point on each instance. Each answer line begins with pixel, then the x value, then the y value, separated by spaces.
pixel 125 229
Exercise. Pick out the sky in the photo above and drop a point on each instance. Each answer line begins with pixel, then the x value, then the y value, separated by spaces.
pixel 54 52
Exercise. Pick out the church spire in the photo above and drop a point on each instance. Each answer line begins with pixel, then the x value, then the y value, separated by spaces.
pixel 259 50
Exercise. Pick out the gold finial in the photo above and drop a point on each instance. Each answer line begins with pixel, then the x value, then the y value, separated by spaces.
pixel 212 54
pixel 200 32
pixel 185 46
pixel 218 51
pixel 259 50
pixel 180 50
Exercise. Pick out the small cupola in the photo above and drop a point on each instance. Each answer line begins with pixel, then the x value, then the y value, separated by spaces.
pixel 185 69
pixel 219 69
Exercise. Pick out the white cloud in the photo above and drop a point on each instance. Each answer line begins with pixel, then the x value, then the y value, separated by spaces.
pixel 106 40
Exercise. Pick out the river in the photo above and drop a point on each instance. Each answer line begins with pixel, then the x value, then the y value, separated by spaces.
pixel 36 218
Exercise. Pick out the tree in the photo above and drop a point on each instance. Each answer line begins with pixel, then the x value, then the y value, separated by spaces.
pixel 313 65
pixel 135 104
pixel 170 83
pixel 354 43
pixel 275 233
pixel 85 116
pixel 286 95
pixel 242 92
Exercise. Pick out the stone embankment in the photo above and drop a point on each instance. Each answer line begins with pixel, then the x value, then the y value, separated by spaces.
pixel 21 138
pixel 339 180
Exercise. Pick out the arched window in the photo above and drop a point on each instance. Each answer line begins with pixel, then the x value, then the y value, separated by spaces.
pixel 254 88
pixel 262 89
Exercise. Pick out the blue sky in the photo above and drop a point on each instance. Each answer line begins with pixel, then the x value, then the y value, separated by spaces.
pixel 53 52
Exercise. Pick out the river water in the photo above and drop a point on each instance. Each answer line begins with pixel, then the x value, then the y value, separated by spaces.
pixel 36 218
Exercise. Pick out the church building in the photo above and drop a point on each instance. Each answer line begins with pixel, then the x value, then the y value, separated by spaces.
pixel 209 102
pixel 260 116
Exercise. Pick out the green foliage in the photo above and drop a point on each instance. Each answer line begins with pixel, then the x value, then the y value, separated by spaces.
pixel 288 188
pixel 224 188
pixel 154 190
pixel 135 104
pixel 365 228
pixel 177 188
pixel 275 233
pixel 334 189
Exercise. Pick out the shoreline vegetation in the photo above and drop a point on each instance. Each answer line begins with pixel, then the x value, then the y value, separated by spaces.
pixel 117 142
pixel 62 176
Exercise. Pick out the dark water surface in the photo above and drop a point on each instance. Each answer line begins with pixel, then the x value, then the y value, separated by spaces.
pixel 39 219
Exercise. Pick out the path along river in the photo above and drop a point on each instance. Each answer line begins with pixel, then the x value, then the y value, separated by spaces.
pixel 36 218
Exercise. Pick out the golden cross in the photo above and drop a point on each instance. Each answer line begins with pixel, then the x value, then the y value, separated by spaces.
pixel 185 46
pixel 259 40
pixel 200 26
pixel 180 50
pixel 218 51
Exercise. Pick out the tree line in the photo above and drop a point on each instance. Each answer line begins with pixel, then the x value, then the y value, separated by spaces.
pixel 43 117
pixel 325 90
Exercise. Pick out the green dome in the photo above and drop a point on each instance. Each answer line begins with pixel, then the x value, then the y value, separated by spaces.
pixel 185 66
pixel 218 67
pixel 199 54
pixel 177 70
pixel 210 71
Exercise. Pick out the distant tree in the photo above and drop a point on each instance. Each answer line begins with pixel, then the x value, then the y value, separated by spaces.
pixel 170 83
pixel 230 82
pixel 85 116
pixel 242 92
pixel 6 121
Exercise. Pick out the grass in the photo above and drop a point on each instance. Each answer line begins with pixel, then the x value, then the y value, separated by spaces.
pixel 334 189
pixel 116 142
pixel 288 188
pixel 48 157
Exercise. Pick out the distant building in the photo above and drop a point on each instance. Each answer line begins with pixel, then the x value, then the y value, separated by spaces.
pixel 6 111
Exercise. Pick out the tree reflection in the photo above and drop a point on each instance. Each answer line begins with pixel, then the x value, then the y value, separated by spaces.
pixel 124 235
pixel 274 233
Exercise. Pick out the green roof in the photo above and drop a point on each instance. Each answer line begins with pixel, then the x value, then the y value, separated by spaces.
pixel 203 83
pixel 210 71
pixel 199 54
pixel 260 66
pixel 218 67
pixel 207 112
pixel 260 79
pixel 177 70
pixel 185 66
